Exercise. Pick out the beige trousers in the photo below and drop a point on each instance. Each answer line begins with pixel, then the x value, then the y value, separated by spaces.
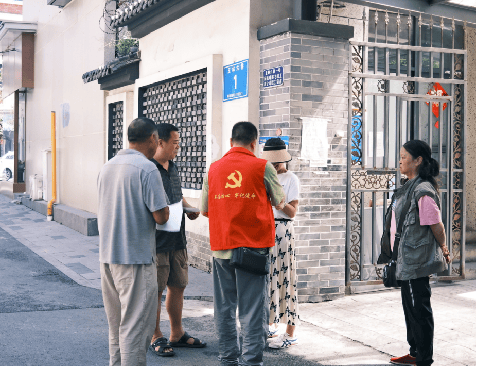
pixel 130 302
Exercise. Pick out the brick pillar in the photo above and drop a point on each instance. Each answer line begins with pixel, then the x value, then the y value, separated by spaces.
pixel 315 61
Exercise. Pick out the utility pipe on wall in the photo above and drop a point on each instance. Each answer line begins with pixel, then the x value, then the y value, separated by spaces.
pixel 53 166
pixel 305 9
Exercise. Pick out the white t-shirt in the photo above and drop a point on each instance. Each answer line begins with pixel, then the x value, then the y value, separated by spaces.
pixel 291 186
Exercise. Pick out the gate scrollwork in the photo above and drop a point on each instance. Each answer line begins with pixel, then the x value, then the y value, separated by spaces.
pixel 355 235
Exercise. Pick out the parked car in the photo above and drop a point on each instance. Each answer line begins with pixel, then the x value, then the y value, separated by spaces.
pixel 6 166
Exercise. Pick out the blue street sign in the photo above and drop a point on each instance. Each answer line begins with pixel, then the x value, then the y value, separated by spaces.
pixel 273 77
pixel 236 80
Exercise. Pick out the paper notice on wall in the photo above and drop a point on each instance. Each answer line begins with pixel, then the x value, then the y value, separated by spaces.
pixel 379 144
pixel 315 141
pixel 65 114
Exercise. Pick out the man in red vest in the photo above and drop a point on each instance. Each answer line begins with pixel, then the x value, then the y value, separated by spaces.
pixel 237 197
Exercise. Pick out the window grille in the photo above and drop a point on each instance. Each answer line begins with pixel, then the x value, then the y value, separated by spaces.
pixel 116 123
pixel 182 102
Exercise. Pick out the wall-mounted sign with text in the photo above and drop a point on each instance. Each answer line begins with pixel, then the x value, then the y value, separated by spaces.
pixel 273 77
pixel 236 80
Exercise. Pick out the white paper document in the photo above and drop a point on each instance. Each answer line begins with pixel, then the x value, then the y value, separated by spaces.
pixel 175 219
pixel 315 141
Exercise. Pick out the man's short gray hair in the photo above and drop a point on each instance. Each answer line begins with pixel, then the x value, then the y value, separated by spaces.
pixel 140 129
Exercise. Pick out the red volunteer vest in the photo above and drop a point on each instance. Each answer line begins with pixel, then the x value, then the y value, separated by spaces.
pixel 240 213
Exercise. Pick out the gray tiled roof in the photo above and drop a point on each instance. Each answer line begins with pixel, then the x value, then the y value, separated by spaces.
pixel 124 15
pixel 111 67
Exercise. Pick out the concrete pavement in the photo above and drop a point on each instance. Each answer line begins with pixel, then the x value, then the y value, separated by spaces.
pixel 363 329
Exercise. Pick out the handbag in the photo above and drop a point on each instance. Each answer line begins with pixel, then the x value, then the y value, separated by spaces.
pixel 251 260
pixel 389 275
pixel 389 270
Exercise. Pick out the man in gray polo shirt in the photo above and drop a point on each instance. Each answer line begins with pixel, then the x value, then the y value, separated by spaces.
pixel 131 200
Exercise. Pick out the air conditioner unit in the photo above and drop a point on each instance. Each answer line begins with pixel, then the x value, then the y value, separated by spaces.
pixel 36 187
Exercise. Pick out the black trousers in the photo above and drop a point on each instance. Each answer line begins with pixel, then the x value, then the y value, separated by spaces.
pixel 416 303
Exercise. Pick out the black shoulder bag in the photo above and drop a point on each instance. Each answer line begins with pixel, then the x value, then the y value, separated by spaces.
pixel 389 270
pixel 251 260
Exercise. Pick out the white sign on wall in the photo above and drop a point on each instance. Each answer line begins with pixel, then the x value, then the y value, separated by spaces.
pixel 315 141
pixel 65 114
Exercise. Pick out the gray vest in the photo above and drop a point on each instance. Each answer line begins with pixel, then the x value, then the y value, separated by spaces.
pixel 419 254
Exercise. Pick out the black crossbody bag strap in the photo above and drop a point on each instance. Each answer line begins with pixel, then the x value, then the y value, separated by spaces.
pixel 397 236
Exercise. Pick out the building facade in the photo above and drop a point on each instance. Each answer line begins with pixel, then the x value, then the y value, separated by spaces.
pixel 307 74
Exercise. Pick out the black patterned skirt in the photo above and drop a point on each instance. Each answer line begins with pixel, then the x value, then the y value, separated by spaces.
pixel 283 291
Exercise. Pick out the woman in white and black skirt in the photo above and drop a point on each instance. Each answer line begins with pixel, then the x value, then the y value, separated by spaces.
pixel 283 291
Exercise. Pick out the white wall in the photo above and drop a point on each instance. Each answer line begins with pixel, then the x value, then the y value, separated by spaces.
pixel 223 27
pixel 67 44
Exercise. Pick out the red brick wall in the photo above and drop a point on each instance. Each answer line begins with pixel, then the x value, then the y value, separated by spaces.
pixel 10 8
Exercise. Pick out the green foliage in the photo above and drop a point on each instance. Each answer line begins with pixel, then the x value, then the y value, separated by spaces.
pixel 123 46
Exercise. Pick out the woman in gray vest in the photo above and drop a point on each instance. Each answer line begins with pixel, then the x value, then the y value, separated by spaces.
pixel 422 249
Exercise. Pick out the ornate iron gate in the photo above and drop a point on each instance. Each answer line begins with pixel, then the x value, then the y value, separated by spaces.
pixel 405 84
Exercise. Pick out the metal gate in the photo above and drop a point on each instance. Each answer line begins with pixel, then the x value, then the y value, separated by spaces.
pixel 407 83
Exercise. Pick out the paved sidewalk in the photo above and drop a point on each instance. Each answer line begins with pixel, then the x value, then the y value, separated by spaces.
pixel 376 319
pixel 358 329
pixel 71 252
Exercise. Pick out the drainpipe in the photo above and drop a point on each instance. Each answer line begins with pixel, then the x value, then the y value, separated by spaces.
pixel 305 9
pixel 53 167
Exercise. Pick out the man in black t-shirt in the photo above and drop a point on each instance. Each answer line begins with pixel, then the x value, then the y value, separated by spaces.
pixel 171 249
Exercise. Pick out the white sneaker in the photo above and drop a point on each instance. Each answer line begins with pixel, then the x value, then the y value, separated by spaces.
pixel 272 331
pixel 283 341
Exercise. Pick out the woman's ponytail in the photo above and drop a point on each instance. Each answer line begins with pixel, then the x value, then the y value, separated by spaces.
pixel 434 167
pixel 429 168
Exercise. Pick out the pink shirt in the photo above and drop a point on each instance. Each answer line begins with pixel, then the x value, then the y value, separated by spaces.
pixel 429 214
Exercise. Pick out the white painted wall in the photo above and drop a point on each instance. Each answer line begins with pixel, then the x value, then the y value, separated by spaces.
pixel 223 27
pixel 67 44
pixel 8 17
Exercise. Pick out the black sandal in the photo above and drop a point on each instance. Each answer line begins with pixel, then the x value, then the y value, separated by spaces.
pixel 162 343
pixel 182 342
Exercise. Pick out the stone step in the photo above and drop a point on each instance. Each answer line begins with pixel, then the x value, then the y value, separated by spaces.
pixel 84 222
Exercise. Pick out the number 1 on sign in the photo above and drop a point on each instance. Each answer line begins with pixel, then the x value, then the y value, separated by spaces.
pixel 235 78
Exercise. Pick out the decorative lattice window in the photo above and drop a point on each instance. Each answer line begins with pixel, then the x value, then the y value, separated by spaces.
pixel 116 124
pixel 182 102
